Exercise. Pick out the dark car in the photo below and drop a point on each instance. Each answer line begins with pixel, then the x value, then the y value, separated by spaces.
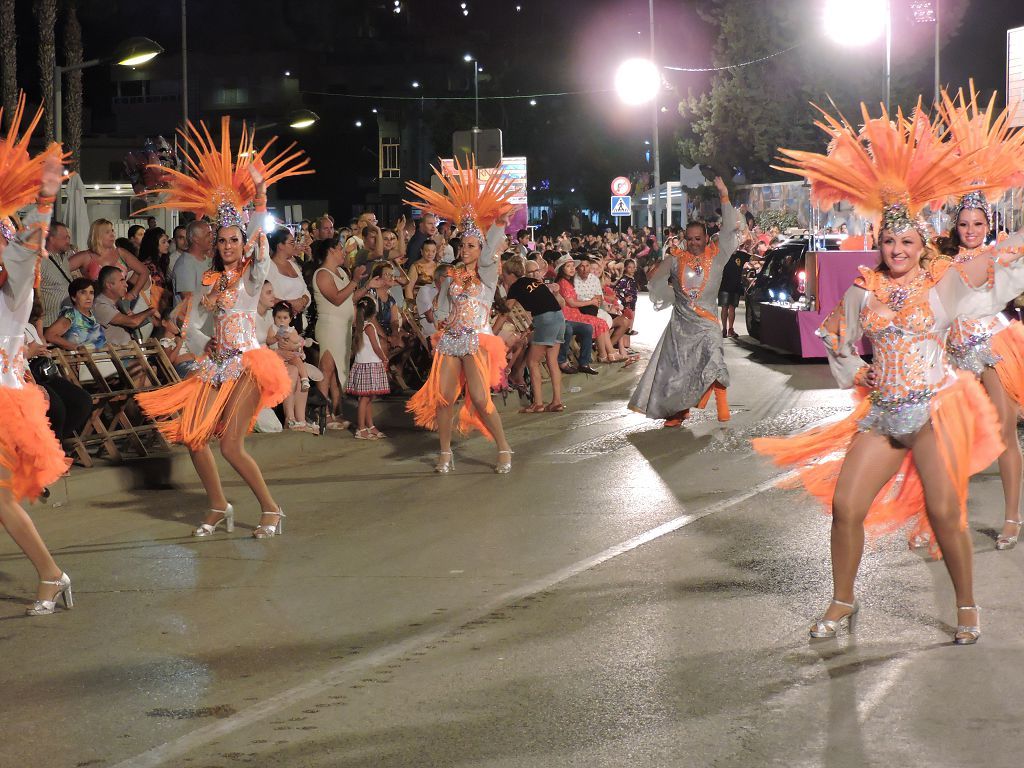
pixel 778 279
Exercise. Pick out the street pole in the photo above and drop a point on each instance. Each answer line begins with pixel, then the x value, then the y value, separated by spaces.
pixel 657 153
pixel 888 55
pixel 937 53
pixel 476 95
pixel 184 68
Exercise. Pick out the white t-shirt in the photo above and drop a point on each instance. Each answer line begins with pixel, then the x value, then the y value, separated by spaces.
pixel 425 301
pixel 589 288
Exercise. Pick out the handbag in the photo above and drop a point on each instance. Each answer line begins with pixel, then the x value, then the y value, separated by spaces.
pixel 43 369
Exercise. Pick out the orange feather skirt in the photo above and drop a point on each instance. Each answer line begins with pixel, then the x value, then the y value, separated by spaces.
pixel 967 430
pixel 490 359
pixel 198 409
pixel 29 450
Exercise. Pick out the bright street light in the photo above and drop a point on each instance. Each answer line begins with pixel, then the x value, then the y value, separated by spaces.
pixel 302 118
pixel 860 23
pixel 637 81
pixel 856 23
pixel 467 58
pixel 135 51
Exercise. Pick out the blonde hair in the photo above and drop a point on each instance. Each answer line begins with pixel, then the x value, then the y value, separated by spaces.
pixel 94 233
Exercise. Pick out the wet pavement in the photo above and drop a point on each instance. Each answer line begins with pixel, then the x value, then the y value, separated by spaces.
pixel 627 596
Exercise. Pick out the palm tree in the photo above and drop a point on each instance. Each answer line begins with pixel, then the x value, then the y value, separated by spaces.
pixel 73 92
pixel 46 15
pixel 8 58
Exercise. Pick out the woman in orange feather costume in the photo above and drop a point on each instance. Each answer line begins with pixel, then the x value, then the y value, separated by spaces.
pixel 904 457
pixel 468 357
pixel 234 378
pixel 990 347
pixel 30 455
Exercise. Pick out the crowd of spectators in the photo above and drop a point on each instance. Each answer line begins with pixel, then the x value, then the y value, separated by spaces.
pixel 566 303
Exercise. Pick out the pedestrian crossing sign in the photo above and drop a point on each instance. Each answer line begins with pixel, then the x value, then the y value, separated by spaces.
pixel 622 205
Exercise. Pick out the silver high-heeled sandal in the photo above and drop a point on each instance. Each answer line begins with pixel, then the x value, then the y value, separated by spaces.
pixel 46 607
pixel 823 628
pixel 444 465
pixel 968 634
pixel 504 467
pixel 1009 542
pixel 227 517
pixel 264 531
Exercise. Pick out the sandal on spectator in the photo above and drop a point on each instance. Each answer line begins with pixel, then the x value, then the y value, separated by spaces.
pixel 535 408
pixel 364 434
pixel 301 426
pixel 376 434
pixel 333 422
pixel 630 359
pixel 554 407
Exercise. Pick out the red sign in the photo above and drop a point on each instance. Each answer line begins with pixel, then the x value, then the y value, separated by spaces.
pixel 621 186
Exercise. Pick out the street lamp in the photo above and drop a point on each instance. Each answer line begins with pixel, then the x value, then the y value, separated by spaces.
pixel 298 119
pixel 861 23
pixel 476 89
pixel 130 53
pixel 638 81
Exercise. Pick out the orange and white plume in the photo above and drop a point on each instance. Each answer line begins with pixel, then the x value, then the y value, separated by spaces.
pixel 468 205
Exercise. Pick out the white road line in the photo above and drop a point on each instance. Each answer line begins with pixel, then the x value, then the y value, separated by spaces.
pixel 184 745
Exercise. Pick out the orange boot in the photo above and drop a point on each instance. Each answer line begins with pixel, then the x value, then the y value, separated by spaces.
pixel 721 402
pixel 706 397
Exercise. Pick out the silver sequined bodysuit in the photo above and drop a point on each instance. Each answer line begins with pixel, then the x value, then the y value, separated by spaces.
pixel 466 304
pixel 970 339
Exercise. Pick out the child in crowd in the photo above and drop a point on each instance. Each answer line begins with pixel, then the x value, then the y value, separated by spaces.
pixel 426 302
pixel 282 333
pixel 620 320
pixel 369 375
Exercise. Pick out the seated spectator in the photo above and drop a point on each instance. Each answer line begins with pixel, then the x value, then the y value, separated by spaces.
pixel 579 311
pixel 294 404
pixel 422 272
pixel 548 324
pixel 426 302
pixel 170 336
pixel 387 316
pixel 76 327
pixel 283 336
pixel 620 321
pixel 70 406
pixel 118 325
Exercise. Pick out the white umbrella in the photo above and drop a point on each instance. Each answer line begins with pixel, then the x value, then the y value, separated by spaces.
pixel 76 216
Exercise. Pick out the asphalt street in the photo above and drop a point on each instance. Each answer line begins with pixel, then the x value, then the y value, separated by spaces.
pixel 627 596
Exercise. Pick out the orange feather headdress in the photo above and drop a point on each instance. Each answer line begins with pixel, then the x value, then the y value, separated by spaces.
pixel 996 151
pixel 217 183
pixel 20 174
pixel 472 207
pixel 890 169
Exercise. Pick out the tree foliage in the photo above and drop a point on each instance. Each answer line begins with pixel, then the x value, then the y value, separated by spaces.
pixel 751 111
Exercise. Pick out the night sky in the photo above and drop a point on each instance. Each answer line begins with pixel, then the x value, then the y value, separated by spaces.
pixel 547 46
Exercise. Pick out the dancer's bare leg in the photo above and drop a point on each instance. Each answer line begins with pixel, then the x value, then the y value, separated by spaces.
pixel 21 528
pixel 869 464
pixel 240 410
pixel 479 391
pixel 1010 462
pixel 206 468
pixel 451 369
pixel 944 514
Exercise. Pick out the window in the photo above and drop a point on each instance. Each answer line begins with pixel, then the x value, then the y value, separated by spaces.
pixel 390 163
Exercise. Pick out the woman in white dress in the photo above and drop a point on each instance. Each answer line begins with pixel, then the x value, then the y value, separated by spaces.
pixel 336 295
pixel 286 274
